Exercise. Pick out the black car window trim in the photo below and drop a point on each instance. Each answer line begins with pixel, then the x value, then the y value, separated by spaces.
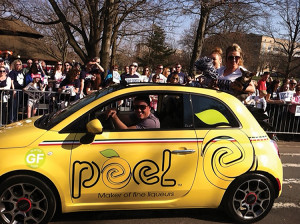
pixel 68 129
pixel 50 120
pixel 238 123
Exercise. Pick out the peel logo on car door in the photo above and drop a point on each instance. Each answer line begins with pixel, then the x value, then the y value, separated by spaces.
pixel 116 172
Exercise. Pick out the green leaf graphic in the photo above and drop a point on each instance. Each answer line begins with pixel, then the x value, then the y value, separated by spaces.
pixel 108 153
pixel 212 117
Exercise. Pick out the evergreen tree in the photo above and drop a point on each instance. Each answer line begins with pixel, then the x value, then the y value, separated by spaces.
pixel 158 52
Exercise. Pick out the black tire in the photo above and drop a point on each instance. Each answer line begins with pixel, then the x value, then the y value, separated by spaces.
pixel 249 198
pixel 26 199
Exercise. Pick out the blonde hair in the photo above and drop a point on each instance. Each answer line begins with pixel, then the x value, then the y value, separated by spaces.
pixel 13 66
pixel 235 47
pixel 165 72
pixel 217 50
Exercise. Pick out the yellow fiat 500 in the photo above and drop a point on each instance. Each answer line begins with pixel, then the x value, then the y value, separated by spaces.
pixel 208 151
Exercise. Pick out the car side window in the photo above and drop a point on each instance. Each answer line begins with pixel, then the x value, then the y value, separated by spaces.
pixel 210 112
pixel 173 111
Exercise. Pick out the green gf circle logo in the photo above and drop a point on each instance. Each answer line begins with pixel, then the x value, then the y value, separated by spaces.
pixel 35 158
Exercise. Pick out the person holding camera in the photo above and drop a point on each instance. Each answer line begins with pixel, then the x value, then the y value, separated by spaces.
pixel 92 68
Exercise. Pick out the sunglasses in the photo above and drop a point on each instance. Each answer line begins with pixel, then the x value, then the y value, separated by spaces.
pixel 178 67
pixel 2 71
pixel 231 58
pixel 292 83
pixel 141 107
pixel 175 78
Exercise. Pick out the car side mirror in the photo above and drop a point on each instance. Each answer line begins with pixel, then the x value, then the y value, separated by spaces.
pixel 93 127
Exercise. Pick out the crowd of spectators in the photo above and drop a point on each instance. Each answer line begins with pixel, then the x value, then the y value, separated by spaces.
pixel 79 80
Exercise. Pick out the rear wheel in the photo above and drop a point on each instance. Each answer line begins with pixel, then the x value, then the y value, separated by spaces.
pixel 249 198
pixel 26 199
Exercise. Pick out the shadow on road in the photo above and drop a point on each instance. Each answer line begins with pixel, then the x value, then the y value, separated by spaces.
pixel 213 215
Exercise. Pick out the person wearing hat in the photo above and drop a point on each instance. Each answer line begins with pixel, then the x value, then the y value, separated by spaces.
pixel 135 67
pixel 142 110
pixel 132 76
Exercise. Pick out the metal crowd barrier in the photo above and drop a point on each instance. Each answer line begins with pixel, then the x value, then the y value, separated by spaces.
pixel 282 120
pixel 14 103
pixel 14 107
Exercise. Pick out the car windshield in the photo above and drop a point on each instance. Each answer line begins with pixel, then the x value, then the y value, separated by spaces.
pixel 50 120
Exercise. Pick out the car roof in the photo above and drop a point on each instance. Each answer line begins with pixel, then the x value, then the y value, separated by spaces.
pixel 136 84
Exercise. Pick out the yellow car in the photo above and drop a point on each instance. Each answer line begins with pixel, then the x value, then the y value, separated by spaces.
pixel 208 152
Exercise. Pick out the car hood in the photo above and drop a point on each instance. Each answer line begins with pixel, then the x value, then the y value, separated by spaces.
pixel 20 134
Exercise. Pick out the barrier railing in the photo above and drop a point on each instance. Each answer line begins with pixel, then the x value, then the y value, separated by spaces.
pixel 282 120
pixel 16 105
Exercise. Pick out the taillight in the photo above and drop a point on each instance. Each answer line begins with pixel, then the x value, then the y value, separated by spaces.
pixel 275 147
pixel 279 184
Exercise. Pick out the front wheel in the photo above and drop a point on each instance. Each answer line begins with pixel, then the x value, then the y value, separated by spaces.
pixel 249 198
pixel 26 199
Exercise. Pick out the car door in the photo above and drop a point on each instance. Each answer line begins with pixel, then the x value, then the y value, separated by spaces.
pixel 137 165
pixel 226 151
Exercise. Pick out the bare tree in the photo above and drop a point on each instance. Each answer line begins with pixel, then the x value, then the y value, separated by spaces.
pixel 220 16
pixel 92 28
pixel 286 32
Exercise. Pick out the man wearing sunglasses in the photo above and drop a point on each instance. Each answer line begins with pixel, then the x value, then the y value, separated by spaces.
pixel 183 79
pixel 141 106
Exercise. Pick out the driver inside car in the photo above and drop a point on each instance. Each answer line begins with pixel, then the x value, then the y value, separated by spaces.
pixel 142 110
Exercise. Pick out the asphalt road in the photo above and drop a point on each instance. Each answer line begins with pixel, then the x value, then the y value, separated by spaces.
pixel 286 209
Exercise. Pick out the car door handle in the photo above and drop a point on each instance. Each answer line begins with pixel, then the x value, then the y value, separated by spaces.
pixel 184 151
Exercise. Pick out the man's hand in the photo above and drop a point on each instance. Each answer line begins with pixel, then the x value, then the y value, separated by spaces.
pixel 111 113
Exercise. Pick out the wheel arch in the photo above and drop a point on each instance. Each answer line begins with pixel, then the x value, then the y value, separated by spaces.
pixel 268 175
pixel 40 176
pixel 273 181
